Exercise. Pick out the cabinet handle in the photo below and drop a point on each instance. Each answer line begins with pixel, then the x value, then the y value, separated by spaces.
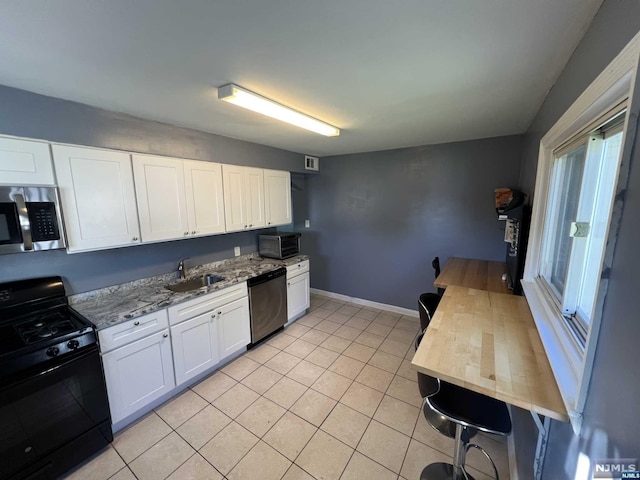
pixel 136 323
pixel 245 226
pixel 165 335
pixel 135 239
pixel 251 225
pixel 220 313
pixel 289 283
pixel 213 316
pixel 268 223
pixel 186 233
pixel 193 232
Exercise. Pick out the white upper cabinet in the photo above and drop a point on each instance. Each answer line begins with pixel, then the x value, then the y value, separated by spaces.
pixel 178 198
pixel 162 205
pixel 98 198
pixel 24 162
pixel 277 197
pixel 205 197
pixel 243 197
pixel 254 185
pixel 235 208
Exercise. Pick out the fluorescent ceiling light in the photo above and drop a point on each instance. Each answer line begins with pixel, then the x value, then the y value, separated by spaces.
pixel 239 96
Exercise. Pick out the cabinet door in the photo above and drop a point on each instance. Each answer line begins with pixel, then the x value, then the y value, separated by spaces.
pixel 234 329
pixel 235 208
pixel 298 295
pixel 254 192
pixel 25 163
pixel 195 347
pixel 98 199
pixel 205 199
pixel 277 197
pixel 137 374
pixel 162 203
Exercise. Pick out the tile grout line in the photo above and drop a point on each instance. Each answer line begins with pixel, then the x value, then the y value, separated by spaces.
pixel 325 369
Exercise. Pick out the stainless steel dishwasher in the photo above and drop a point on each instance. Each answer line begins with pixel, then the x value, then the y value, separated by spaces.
pixel 267 303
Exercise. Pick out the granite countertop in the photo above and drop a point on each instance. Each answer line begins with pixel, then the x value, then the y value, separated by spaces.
pixel 110 306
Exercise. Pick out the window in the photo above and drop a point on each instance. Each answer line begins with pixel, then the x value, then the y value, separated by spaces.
pixel 582 166
pixel 579 201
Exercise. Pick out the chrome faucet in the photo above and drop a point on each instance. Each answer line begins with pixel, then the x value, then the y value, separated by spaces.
pixel 181 269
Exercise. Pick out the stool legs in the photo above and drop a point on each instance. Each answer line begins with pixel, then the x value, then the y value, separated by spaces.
pixel 447 471
pixel 459 451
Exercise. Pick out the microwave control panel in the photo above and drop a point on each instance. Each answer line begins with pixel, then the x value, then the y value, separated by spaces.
pixel 44 225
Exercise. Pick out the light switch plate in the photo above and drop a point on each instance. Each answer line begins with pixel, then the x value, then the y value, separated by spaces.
pixel 307 224
pixel 236 251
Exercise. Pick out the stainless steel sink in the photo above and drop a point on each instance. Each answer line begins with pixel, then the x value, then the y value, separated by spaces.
pixel 195 283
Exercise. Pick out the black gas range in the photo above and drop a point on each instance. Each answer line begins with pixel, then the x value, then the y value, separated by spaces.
pixel 54 411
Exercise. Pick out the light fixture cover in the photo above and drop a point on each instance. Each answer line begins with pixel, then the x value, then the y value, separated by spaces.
pixel 244 98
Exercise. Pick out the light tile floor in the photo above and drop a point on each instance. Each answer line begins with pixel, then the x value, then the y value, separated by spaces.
pixel 333 396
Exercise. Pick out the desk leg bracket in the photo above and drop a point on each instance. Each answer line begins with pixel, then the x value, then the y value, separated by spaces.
pixel 543 424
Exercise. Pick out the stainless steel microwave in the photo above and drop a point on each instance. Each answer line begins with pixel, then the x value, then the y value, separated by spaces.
pixel 282 245
pixel 30 219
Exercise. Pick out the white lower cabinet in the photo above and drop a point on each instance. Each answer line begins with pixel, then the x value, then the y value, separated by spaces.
pixel 195 348
pixel 298 289
pixel 234 329
pixel 148 357
pixel 208 329
pixel 138 373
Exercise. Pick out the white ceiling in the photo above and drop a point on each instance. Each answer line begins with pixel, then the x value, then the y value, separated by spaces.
pixel 389 74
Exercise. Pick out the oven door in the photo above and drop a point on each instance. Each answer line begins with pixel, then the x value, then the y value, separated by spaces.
pixel 53 418
pixel 10 230
pixel 289 246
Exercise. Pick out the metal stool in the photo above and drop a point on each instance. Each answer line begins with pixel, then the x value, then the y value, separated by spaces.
pixel 470 412
pixel 427 305
pixel 458 413
pixel 429 386
pixel 436 267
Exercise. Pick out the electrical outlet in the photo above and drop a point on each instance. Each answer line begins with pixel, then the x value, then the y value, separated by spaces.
pixel 236 251
pixel 307 224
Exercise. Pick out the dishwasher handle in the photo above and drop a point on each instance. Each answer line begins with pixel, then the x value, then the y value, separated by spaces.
pixel 265 277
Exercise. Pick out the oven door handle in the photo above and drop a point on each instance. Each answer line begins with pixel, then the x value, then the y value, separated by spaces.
pixel 25 225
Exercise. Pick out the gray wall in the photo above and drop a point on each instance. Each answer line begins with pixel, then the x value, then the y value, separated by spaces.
pixel 378 219
pixel 611 417
pixel 27 114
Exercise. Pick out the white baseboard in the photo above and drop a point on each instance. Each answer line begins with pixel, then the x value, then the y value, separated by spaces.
pixel 366 303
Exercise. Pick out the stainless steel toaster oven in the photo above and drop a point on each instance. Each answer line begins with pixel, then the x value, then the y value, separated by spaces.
pixel 281 245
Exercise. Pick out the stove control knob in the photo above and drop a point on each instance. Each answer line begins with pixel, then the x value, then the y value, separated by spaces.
pixel 73 344
pixel 53 351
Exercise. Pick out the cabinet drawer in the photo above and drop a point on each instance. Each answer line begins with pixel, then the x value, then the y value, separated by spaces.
pixel 297 269
pixel 135 329
pixel 205 303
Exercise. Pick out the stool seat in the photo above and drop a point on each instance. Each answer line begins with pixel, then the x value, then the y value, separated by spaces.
pixel 471 409
pixel 469 412
pixel 443 425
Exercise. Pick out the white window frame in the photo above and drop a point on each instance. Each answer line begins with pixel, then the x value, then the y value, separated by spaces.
pixel 571 366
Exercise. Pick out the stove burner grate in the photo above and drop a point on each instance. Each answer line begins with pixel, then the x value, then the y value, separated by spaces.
pixel 45 327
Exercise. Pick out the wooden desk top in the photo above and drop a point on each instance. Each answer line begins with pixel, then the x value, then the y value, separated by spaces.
pixel 488 342
pixel 480 274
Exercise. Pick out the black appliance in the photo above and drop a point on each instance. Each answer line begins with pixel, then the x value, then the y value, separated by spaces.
pixel 54 411
pixel 516 235
pixel 267 303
